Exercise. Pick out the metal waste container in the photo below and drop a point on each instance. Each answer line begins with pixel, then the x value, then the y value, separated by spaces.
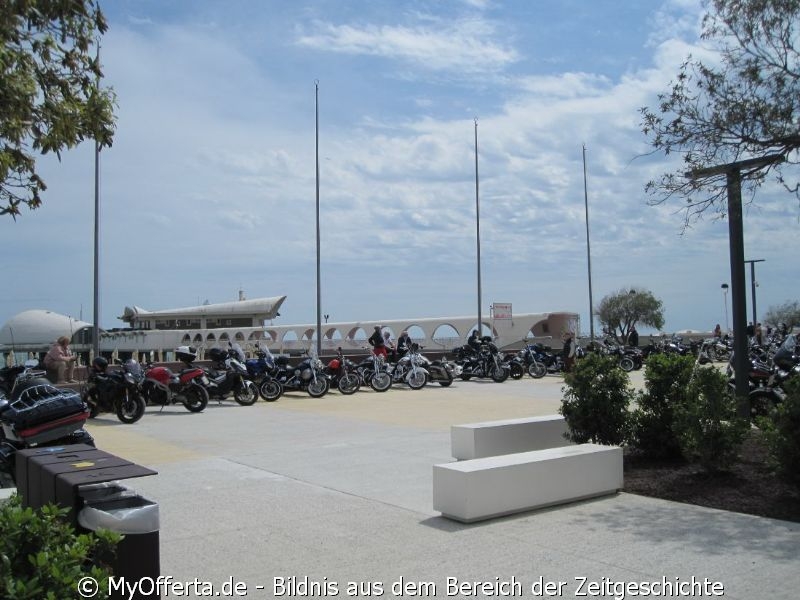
pixel 114 507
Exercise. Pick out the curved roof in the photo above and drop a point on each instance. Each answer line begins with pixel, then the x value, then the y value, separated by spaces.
pixel 39 327
pixel 268 307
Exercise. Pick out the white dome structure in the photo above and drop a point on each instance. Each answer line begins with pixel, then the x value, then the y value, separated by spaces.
pixel 34 330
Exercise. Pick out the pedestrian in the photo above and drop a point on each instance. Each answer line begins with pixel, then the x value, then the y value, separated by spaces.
pixel 759 334
pixel 568 351
pixel 388 343
pixel 403 344
pixel 718 331
pixel 59 362
pixel 376 341
pixel 633 337
pixel 474 342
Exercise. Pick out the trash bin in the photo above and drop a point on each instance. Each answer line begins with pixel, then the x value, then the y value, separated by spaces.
pixel 113 506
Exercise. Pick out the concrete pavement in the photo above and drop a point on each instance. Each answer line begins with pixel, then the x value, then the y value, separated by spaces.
pixel 303 497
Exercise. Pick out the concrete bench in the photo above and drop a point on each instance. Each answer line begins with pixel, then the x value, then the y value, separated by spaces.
pixel 492 438
pixel 482 488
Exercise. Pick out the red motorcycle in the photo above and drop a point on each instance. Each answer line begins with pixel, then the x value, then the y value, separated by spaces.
pixel 188 387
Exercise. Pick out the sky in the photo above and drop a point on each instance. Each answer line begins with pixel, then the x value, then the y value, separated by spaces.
pixel 210 186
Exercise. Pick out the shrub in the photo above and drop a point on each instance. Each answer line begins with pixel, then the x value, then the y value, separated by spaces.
pixel 596 398
pixel 706 424
pixel 43 557
pixel 666 378
pixel 782 432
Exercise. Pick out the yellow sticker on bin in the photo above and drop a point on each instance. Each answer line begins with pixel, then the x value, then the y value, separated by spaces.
pixel 83 464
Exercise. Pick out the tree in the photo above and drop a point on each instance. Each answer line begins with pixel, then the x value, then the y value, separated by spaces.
pixel 49 92
pixel 788 312
pixel 742 106
pixel 620 311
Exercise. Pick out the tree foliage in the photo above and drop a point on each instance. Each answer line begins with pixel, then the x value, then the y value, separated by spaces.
pixel 620 311
pixel 50 97
pixel 741 105
pixel 788 312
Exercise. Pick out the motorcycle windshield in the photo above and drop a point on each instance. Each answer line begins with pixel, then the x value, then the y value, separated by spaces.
pixel 133 367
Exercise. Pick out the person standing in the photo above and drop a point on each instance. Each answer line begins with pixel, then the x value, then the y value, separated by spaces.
pixel 376 341
pixel 633 337
pixel 718 331
pixel 59 362
pixel 403 344
pixel 389 345
pixel 568 351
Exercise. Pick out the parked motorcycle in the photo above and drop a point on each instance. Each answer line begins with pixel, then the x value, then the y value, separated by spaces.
pixel 35 413
pixel 260 370
pixel 410 369
pixel 342 374
pixel 307 376
pixel 484 361
pixel 374 372
pixel 188 387
pixel 442 372
pixel 228 375
pixel 527 358
pixel 117 391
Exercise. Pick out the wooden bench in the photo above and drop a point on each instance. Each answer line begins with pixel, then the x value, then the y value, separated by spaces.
pixel 492 438
pixel 482 488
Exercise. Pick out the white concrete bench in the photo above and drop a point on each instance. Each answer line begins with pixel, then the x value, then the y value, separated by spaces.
pixel 482 488
pixel 492 438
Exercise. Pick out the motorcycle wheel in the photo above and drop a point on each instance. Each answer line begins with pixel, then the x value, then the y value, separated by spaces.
pixel 318 388
pixel 94 409
pixel 537 370
pixel 195 398
pixel 417 380
pixel 349 383
pixel 465 376
pixel 626 364
pixel 498 374
pixel 380 382
pixel 270 390
pixel 247 394
pixel 516 371
pixel 131 408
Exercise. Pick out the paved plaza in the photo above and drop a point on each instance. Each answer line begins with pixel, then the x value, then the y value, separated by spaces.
pixel 332 497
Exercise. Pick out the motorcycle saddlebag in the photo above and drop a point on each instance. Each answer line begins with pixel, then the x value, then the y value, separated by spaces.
pixel 42 404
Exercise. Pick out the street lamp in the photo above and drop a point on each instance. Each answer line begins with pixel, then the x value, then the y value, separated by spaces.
pixel 753 285
pixel 724 287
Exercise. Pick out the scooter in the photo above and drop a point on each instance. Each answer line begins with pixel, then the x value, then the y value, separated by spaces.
pixel 228 374
pixel 162 386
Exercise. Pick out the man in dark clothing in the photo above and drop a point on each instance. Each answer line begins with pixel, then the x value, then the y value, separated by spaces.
pixel 633 337
pixel 376 341
pixel 403 344
pixel 474 341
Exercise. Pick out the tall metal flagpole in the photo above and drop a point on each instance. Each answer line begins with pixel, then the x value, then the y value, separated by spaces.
pixel 588 248
pixel 96 300
pixel 478 230
pixel 319 293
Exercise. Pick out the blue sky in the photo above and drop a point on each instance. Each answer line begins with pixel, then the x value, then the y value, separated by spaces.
pixel 210 184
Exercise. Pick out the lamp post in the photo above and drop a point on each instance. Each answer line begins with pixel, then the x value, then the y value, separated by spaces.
pixel 588 250
pixel 478 230
pixel 753 285
pixel 724 287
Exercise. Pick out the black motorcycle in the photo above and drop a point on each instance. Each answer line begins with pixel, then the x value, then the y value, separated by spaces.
pixel 308 376
pixel 482 361
pixel 228 375
pixel 35 413
pixel 375 372
pixel 117 391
